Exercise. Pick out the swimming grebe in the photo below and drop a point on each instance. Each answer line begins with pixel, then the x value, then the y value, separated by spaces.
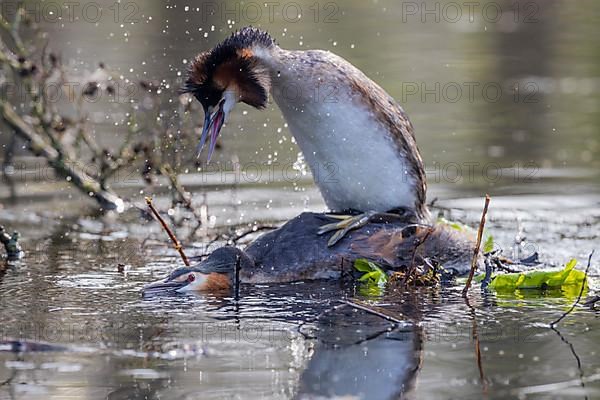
pixel 294 253
pixel 360 134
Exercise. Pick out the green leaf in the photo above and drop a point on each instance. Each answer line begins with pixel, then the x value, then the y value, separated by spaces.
pixel 362 265
pixel 368 276
pixel 571 264
pixel 563 279
pixel 370 290
pixel 372 272
pixel 488 246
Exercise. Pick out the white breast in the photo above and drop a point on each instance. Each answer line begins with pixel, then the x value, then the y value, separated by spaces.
pixel 355 163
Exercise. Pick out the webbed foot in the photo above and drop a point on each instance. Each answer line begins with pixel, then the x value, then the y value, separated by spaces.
pixel 345 225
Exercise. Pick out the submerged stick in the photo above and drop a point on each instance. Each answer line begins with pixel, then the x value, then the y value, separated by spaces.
pixel 475 336
pixel 574 352
pixel 236 282
pixel 477 246
pixel 553 324
pixel 172 236
pixel 372 310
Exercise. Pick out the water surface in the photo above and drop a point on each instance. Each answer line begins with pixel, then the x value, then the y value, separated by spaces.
pixel 535 150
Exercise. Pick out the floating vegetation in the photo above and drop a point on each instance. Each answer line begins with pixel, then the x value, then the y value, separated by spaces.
pixel 374 277
pixel 427 277
pixel 373 274
pixel 543 280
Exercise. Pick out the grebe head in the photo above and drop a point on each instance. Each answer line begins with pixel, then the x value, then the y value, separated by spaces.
pixel 187 279
pixel 215 273
pixel 228 74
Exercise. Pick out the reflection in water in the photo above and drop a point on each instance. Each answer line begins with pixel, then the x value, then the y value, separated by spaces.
pixel 361 356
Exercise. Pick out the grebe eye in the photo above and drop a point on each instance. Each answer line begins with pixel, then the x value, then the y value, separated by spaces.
pixel 191 278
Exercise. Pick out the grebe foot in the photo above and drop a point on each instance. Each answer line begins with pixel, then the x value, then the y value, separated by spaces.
pixel 346 224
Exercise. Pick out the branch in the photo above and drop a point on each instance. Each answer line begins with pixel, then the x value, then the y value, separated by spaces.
pixel 13 30
pixel 477 246
pixel 87 185
pixel 9 155
pixel 413 268
pixel 172 236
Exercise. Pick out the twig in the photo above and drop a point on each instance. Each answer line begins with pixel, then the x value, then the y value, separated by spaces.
pixel 237 277
pixel 413 267
pixel 477 246
pixel 372 310
pixel 12 376
pixel 64 141
pixel 553 324
pixel 591 302
pixel 172 236
pixel 343 273
pixel 7 165
pixel 501 262
pixel 64 167
pixel 15 31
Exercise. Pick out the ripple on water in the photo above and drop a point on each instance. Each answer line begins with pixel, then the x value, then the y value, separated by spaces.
pixel 21 365
pixel 144 373
pixel 62 366
pixel 87 281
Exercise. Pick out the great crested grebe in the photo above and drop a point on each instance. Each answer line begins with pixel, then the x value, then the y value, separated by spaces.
pixel 361 134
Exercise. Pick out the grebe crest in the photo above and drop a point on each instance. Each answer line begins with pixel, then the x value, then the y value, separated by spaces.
pixel 231 65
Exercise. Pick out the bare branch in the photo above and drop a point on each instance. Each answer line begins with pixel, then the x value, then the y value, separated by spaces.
pixel 107 199
pixel 477 246
pixel 172 236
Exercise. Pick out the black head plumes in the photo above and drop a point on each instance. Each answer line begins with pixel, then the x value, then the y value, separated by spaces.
pixel 231 65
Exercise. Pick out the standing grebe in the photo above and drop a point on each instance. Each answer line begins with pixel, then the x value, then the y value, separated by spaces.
pixel 346 125
pixel 360 135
